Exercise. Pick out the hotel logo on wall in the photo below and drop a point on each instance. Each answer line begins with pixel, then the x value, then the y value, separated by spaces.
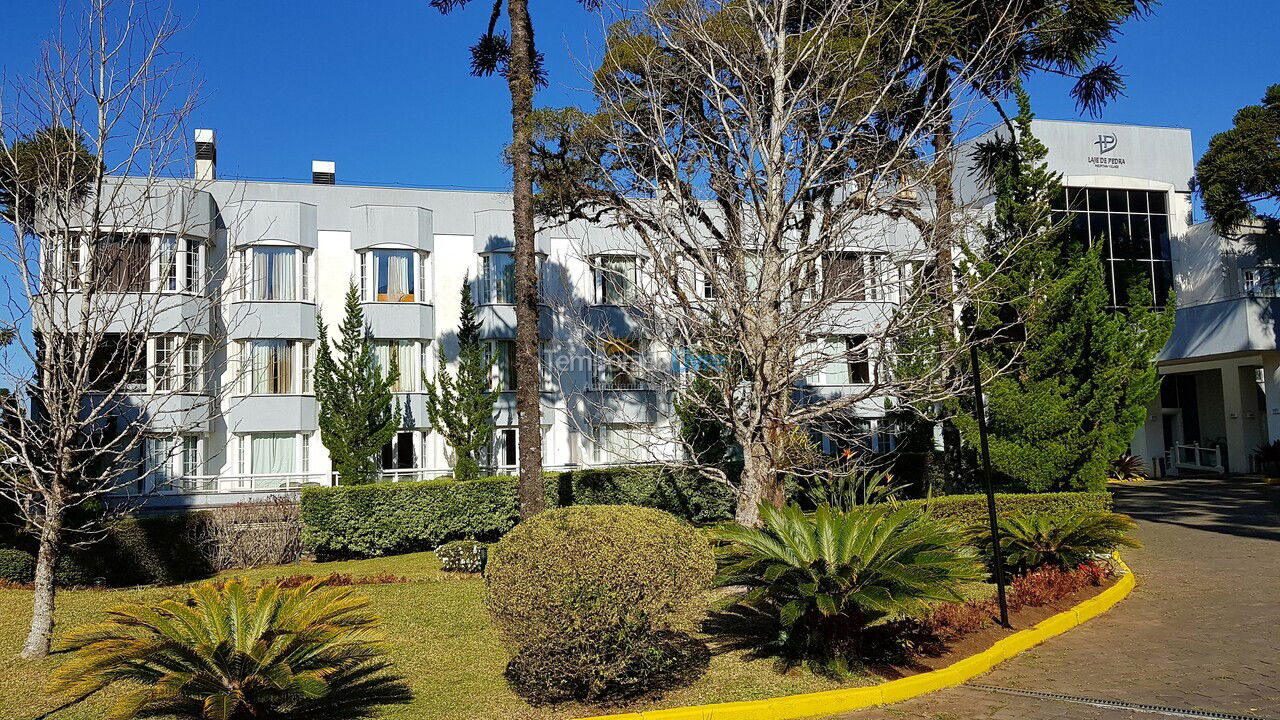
pixel 1106 144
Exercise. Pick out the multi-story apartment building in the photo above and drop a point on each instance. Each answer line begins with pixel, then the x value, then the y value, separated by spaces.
pixel 280 253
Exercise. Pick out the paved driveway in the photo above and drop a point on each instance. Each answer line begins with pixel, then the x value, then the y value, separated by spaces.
pixel 1201 631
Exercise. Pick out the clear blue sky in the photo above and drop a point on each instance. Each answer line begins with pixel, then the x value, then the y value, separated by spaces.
pixel 382 87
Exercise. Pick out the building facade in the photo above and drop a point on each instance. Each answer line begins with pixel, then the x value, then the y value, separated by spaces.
pixel 278 255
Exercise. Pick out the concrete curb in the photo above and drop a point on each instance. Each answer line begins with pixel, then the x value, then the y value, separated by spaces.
pixel 830 702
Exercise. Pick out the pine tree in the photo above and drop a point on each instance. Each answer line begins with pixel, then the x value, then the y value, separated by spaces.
pixel 460 407
pixel 357 410
pixel 1079 384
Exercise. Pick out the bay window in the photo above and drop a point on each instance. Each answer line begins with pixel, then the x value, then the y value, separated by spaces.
pixel 848 361
pixel 177 364
pixel 172 461
pixel 854 276
pixel 503 353
pixel 615 278
pixel 272 460
pixel 275 367
pixel 498 279
pixel 618 443
pixel 620 363
pixel 277 273
pixel 405 357
pixel 393 275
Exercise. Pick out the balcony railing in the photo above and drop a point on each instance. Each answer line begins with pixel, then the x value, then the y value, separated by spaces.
pixel 1197 458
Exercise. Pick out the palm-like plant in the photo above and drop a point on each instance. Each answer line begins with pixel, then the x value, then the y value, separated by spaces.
pixel 1062 539
pixel 233 654
pixel 821 578
pixel 1127 468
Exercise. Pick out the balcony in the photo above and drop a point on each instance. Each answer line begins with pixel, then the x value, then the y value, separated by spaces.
pixel 270 319
pixel 132 312
pixel 401 320
pixel 272 413
pixel 387 225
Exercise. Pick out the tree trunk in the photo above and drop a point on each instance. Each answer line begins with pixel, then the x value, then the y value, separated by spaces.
pixel 943 139
pixel 759 483
pixel 38 639
pixel 528 382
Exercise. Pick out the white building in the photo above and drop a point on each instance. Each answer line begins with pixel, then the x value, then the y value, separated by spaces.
pixel 297 246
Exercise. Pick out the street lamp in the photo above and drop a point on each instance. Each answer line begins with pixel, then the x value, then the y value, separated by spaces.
pixel 980 413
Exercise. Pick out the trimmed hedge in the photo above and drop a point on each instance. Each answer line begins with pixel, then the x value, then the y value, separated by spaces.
pixel 972 509
pixel 399 517
pixel 17 566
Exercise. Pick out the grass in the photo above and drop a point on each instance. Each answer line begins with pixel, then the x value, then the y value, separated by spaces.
pixel 442 643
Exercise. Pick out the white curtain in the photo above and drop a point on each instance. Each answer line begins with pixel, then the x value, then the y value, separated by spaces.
pixel 272 455
pixel 399 276
pixel 273 273
pixel 382 351
pixel 405 355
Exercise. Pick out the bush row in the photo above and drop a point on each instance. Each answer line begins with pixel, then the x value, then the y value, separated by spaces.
pixel 135 551
pixel 389 518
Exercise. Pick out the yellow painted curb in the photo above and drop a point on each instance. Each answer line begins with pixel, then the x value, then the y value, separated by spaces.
pixel 830 702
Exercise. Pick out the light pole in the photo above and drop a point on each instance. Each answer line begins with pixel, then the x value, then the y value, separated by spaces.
pixel 980 413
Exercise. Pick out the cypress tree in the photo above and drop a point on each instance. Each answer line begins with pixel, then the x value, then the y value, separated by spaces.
pixel 460 407
pixel 1077 387
pixel 357 409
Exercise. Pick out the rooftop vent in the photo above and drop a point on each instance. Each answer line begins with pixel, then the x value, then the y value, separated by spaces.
pixel 323 172
pixel 206 155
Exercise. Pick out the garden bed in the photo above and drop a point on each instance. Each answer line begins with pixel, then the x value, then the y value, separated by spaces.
pixel 444 644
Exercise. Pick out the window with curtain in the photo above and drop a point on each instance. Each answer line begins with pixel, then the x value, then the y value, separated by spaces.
pixel 395 278
pixel 498 272
pixel 121 263
pixel 403 354
pixel 272 458
pixel 620 363
pixel 271 366
pixel 854 276
pixel 616 277
pixel 847 361
pixel 273 273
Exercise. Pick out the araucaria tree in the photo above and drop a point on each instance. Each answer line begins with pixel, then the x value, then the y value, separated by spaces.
pixel 106 267
pixel 1242 166
pixel 1082 371
pixel 357 406
pixel 759 158
pixel 460 407
pixel 519 61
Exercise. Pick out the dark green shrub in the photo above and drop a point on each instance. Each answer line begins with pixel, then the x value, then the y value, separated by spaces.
pixel 681 493
pixel 596 602
pixel 462 556
pixel 606 668
pixel 17 566
pixel 821 578
pixel 595 568
pixel 1063 540
pixel 389 518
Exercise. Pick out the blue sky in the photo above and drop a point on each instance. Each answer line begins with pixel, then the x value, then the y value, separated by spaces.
pixel 382 88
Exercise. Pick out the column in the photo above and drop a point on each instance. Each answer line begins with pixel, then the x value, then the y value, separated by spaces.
pixel 1237 452
pixel 1271 386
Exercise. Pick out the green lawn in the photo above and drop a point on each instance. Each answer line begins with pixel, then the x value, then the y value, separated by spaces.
pixel 442 642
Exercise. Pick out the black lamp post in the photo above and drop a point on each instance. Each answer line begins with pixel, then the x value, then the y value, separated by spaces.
pixel 980 413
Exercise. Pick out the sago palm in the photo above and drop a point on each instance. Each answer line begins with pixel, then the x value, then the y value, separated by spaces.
pixel 231 653
pixel 821 578
pixel 1062 539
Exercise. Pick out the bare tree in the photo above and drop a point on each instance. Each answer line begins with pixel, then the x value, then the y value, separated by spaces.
pixel 759 160
pixel 110 289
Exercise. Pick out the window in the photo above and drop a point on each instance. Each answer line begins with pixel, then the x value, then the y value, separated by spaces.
pixel 177 364
pixel 854 276
pixel 272 458
pixel 400 453
pixel 498 278
pixel 847 361
pixel 122 263
pixel 403 356
pixel 505 447
pixel 615 279
pixel 272 367
pixel 1262 281
pixel 168 261
pixel 276 273
pixel 164 362
pixel 117 361
pixel 1133 228
pixel 192 460
pixel 618 443
pixel 504 366
pixel 192 265
pixel 620 364
pixel 395 275
pixel 305 350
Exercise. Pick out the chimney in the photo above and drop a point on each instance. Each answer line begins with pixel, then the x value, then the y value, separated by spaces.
pixel 206 155
pixel 323 172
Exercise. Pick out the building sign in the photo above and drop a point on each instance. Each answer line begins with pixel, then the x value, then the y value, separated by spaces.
pixel 1106 144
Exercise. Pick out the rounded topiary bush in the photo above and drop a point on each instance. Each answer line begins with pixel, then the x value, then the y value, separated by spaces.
pixel 598 567
pixel 597 602
pixel 17 566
